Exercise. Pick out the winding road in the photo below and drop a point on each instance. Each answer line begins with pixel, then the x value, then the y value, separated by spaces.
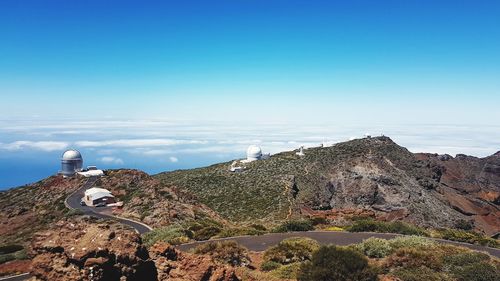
pixel 262 242
pixel 73 202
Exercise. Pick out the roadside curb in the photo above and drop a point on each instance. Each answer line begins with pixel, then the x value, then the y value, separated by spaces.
pixel 13 276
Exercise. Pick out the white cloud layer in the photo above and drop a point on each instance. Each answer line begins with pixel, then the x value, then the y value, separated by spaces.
pixel 38 145
pixel 173 159
pixel 137 143
pixel 111 160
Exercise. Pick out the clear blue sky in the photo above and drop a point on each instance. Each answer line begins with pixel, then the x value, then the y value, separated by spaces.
pixel 357 61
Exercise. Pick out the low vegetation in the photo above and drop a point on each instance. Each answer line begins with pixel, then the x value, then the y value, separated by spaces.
pixel 466 236
pixel 291 250
pixel 370 225
pixel 337 263
pixel 295 225
pixel 228 252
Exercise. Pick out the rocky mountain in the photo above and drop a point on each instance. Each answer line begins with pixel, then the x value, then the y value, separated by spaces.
pixel 374 174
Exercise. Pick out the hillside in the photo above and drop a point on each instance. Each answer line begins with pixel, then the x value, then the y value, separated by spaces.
pixel 371 173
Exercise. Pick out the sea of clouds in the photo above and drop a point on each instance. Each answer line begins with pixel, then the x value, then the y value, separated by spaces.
pixel 31 149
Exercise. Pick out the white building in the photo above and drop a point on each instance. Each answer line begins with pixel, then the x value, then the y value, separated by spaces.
pixel 92 173
pixel 96 195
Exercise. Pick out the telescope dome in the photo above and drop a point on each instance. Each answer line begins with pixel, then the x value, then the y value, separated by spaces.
pixel 254 152
pixel 71 155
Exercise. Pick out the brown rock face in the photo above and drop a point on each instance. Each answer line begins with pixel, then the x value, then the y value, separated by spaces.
pixel 83 250
pixel 471 186
pixel 178 266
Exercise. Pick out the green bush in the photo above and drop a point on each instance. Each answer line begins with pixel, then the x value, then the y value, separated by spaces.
pixel 468 237
pixel 206 233
pixel 269 265
pixel 419 274
pixel 21 255
pixel 291 250
pixel 7 249
pixel 239 231
pixel 466 258
pixel 414 258
pixel 228 252
pixel 411 242
pixel 478 272
pixel 170 234
pixel 375 247
pixel 295 225
pixel 331 263
pixel 464 224
pixel 288 271
pixel 370 225
pixel 6 258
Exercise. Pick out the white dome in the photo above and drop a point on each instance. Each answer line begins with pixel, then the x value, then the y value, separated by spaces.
pixel 72 155
pixel 254 152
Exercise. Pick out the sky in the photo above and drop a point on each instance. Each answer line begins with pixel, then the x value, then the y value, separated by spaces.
pixel 180 77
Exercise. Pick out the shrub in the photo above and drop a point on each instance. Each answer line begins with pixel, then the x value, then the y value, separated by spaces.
pixel 464 224
pixel 468 237
pixel 21 255
pixel 334 228
pixel 171 234
pixel 232 232
pixel 6 258
pixel 414 258
pixel 410 242
pixel 465 258
pixel 375 247
pixel 295 225
pixel 295 249
pixel 336 263
pixel 318 220
pixel 228 252
pixel 269 265
pixel 7 249
pixel 419 274
pixel 206 233
pixel 288 271
pixel 370 225
pixel 478 272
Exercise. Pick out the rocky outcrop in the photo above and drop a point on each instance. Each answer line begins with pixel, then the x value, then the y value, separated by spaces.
pixel 86 249
pixel 81 249
pixel 179 266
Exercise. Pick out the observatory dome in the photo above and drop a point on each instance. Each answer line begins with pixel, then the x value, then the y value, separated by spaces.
pixel 71 162
pixel 254 153
pixel 71 155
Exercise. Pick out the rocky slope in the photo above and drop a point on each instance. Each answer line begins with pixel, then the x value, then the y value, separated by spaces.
pixel 371 173
pixel 148 200
pixel 83 249
pixel 31 208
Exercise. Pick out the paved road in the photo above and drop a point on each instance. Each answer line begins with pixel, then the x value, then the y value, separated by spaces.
pixel 260 243
pixel 73 201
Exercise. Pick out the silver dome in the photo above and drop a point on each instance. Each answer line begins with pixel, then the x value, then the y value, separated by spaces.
pixel 71 162
pixel 72 155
